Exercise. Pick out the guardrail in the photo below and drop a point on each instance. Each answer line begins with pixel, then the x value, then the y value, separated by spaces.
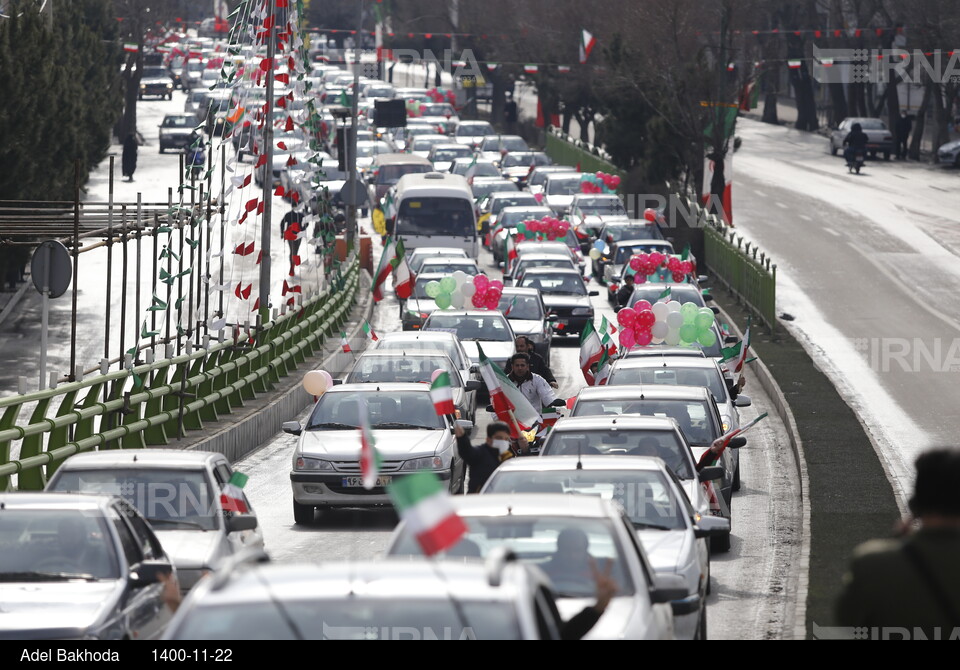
pixel 149 404
pixel 740 266
pixel 565 150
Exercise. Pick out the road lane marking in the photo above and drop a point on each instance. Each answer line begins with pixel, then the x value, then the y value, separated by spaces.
pixel 782 206
pixel 805 217
pixel 833 232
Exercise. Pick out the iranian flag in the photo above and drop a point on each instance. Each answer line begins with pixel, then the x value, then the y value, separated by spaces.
pixel 744 348
pixel 513 303
pixel 131 48
pixel 665 296
pixel 404 279
pixel 511 249
pixel 424 505
pixel 369 456
pixel 231 496
pixel 387 260
pixel 608 330
pixel 603 369
pixel 471 169
pixel 508 402
pixel 369 332
pixel 441 393
pixel 587 43
pixel 345 343
pixel 591 350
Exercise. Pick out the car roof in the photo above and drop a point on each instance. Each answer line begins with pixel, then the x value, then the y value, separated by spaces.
pixel 466 312
pixel 534 504
pixel 502 137
pixel 518 290
pixel 551 271
pixel 524 208
pixel 44 500
pixel 622 422
pixel 513 194
pixel 564 463
pixel 668 361
pixel 418 335
pixel 374 387
pixel 394 353
pixel 546 257
pixel 439 251
pixel 644 242
pixel 475 123
pixel 644 392
pixel 451 145
pixel 436 260
pixel 142 458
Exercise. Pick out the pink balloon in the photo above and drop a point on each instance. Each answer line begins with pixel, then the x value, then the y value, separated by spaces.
pixel 686 267
pixel 646 318
pixel 626 317
pixel 585 187
pixel 496 285
pixel 493 301
pixel 678 277
pixel 328 377
pixel 481 282
pixel 627 338
pixel 564 227
pixel 479 299
pixel 599 175
pixel 640 278
pixel 641 306
pixel 615 181
pixel 643 337
pixel 539 196
pixel 436 373
pixel 649 214
pixel 635 264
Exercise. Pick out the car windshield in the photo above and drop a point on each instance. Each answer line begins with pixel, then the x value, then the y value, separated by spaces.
pixel 481 327
pixel 355 618
pixel 448 267
pixel 474 130
pixel 563 186
pixel 651 293
pixel 479 169
pixel 341 411
pixel 871 124
pixel 600 206
pixel 379 92
pixel 155 73
pixel 521 307
pixel 55 545
pixel 505 143
pixel 446 217
pixel 450 154
pixel 540 176
pixel 624 253
pixel 169 498
pixel 563 547
pixel 445 346
pixel 367 150
pixel 390 174
pixel 693 416
pixel 527 264
pixel 483 189
pixel 631 232
pixel 665 444
pixel 439 109
pixel 330 173
pixel 518 200
pixel 513 219
pixel 401 368
pixel 559 284
pixel 678 376
pixel 426 143
pixel 525 160
pixel 645 495
pixel 180 122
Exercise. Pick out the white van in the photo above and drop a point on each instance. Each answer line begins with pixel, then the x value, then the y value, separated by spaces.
pixel 435 210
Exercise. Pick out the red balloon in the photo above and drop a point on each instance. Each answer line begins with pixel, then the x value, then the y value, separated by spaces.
pixel 479 299
pixel 481 282
pixel 635 264
pixel 649 214
pixel 641 306
pixel 643 337
pixel 640 279
pixel 678 277
pixel 615 181
pixel 656 257
pixel 646 318
pixel 626 317
pixel 627 338
pixel 686 267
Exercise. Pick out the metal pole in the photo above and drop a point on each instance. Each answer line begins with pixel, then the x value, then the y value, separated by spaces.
pixel 123 284
pixel 136 300
pixel 267 221
pixel 76 258
pixel 44 314
pixel 109 301
pixel 351 141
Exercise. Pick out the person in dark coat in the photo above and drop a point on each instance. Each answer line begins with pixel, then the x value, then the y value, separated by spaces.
pixel 128 163
pixel 904 126
pixel 538 366
pixel 510 114
pixel 290 226
pixel 626 291
pixel 909 586
pixel 482 460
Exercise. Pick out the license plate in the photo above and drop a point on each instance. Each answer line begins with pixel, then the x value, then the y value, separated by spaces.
pixel 356 482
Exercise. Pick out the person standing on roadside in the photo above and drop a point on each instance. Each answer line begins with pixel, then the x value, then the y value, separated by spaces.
pixel 128 162
pixel 904 126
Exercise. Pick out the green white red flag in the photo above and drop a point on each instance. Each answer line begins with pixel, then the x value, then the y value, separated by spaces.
pixel 507 400
pixel 370 460
pixel 345 343
pixel 387 263
pixel 369 332
pixel 424 505
pixel 744 349
pixel 441 393
pixel 591 350
pixel 231 496
pixel 603 369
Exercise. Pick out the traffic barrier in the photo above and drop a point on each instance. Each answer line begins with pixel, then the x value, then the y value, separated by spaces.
pixel 151 404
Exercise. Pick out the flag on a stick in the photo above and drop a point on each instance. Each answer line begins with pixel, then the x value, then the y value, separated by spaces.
pixel 423 503
pixel 441 393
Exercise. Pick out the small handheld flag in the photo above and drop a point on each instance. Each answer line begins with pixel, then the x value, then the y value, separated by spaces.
pixel 424 505
pixel 231 496
pixel 345 343
pixel 441 393
pixel 369 456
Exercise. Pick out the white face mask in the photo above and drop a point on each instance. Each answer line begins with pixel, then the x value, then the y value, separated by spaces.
pixel 501 445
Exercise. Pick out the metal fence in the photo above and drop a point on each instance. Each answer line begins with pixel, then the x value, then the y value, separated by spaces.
pixel 565 150
pixel 152 403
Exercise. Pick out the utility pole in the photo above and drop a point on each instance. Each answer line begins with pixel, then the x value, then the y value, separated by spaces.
pixel 351 140
pixel 267 222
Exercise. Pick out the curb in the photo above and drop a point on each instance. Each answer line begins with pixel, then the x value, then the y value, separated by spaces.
pixel 248 434
pixel 773 390
pixel 15 299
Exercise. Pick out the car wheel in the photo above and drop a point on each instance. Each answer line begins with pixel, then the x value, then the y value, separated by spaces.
pixel 720 543
pixel 303 514
pixel 702 628
pixel 162 149
pixel 873 154
pixel 736 479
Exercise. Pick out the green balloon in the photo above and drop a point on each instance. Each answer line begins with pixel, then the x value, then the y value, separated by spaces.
pixel 448 284
pixel 704 318
pixel 689 312
pixel 688 333
pixel 432 289
pixel 443 301
pixel 707 338
pixel 522 227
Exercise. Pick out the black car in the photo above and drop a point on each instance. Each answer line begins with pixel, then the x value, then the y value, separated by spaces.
pixel 177 131
pixel 156 81
pixel 614 231
pixel 565 295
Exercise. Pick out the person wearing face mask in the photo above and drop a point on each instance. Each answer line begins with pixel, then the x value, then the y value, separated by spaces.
pixel 482 460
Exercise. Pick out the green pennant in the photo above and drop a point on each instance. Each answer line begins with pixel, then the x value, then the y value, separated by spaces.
pixel 164 275
pixel 184 273
pixel 137 381
pixel 164 229
pixel 157 306
pixel 179 302
pixel 686 253
pixel 144 333
pixel 193 243
pixel 166 252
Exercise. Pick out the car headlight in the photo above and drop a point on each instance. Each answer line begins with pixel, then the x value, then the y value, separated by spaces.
pixel 311 464
pixel 726 426
pixel 425 463
pixel 169 85
pixel 582 311
pixel 143 85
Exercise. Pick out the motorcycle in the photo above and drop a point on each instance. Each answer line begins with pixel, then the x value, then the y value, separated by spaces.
pixel 855 161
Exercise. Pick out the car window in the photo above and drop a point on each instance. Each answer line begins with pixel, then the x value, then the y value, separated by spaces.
pixel 679 376
pixel 55 541
pixel 664 444
pixel 512 201
pixel 448 347
pixel 403 368
pixel 521 307
pixel 486 327
pixel 564 284
pixel 694 418
pixel 132 550
pixel 149 546
pixel 341 411
pixel 682 294
pixel 564 186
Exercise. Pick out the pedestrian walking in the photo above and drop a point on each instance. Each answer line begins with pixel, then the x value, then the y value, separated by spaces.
pixel 910 584
pixel 510 115
pixel 904 126
pixel 290 227
pixel 128 162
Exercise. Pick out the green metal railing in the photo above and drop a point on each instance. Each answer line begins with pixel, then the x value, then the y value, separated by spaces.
pixel 565 150
pixel 742 268
pixel 153 403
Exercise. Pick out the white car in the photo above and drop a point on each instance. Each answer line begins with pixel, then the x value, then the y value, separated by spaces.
pixel 446 343
pixel 472 133
pixel 563 535
pixel 559 191
pixel 477 329
pixel 410 437
pixel 494 147
pixel 416 258
pixel 673 534
pixel 422 144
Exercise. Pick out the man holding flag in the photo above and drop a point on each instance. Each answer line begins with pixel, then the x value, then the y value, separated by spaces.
pixel 483 459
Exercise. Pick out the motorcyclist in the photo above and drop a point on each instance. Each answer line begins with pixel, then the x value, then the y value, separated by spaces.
pixel 855 142
pixel 535 388
pixel 525 345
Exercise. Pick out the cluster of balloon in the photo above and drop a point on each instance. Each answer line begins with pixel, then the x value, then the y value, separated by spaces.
pixel 448 292
pixel 656 267
pixel 545 228
pixel 317 382
pixel 666 322
pixel 485 292
pixel 600 182
pixel 442 95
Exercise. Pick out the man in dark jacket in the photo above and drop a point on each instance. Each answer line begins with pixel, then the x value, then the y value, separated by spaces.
pixel 626 291
pixel 855 142
pixel 910 586
pixel 482 460
pixel 538 366
pixel 128 162
pixel 904 126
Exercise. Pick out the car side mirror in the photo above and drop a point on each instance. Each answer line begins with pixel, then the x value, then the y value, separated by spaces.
pixel 710 474
pixel 711 526
pixel 703 279
pixel 737 443
pixel 507 277
pixel 731 339
pixel 467 426
pixel 742 401
pixel 475 368
pixel 241 522
pixel 707 297
pixel 667 588
pixel 593 293
pixel 148 572
pixel 552 318
pixel 501 265
pixel 473 385
pixel 292 427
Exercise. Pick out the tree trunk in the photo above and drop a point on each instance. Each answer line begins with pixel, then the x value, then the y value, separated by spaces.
pixel 770 109
pixel 497 98
pixel 839 103
pixel 806 104
pixel 131 94
pixel 920 123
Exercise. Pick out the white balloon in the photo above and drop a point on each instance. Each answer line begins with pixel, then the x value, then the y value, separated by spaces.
pixel 674 306
pixel 674 321
pixel 673 337
pixel 315 382
pixel 468 290
pixel 456 300
pixel 659 331
pixel 657 340
pixel 660 310
pixel 460 277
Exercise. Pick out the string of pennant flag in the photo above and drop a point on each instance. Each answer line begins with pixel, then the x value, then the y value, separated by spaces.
pixel 812 32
